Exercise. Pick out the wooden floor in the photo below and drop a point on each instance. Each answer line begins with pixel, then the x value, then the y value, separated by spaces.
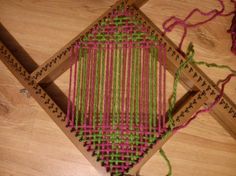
pixel 32 145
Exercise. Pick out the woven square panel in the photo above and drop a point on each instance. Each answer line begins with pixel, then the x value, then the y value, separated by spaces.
pixel 117 96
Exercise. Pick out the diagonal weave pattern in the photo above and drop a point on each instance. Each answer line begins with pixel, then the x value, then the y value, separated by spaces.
pixel 117 98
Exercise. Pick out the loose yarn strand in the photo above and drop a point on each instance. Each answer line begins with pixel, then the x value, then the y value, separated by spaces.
pixel 163 154
pixel 214 65
pixel 209 107
pixel 172 102
pixel 190 55
pixel 168 27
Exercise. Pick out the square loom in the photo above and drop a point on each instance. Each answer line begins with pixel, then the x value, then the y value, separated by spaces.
pixel 116 110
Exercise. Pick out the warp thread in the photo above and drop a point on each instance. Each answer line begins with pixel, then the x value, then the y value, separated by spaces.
pixel 163 154
pixel 116 114
pixel 209 107
pixel 232 30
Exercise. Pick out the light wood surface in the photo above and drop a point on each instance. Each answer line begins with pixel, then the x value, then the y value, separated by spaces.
pixel 30 142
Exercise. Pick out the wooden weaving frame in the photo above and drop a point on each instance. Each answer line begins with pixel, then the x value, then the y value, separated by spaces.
pixel 38 80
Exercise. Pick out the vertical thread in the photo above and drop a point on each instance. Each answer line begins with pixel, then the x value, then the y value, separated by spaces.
pixel 79 82
pixel 160 88
pixel 69 91
pixel 164 87
pixel 74 88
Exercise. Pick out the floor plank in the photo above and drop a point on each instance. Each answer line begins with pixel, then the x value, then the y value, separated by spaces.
pixel 32 145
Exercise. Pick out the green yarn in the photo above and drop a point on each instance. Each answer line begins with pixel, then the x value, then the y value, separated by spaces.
pixel 84 88
pixel 97 79
pixel 101 95
pixel 114 108
pixel 132 89
pixel 119 83
pixel 162 153
pixel 214 65
pixel 190 55
pixel 152 92
pixel 78 91
pixel 137 83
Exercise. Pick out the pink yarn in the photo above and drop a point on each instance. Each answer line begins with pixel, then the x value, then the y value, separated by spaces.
pixel 69 91
pixel 232 30
pixel 211 106
pixel 168 27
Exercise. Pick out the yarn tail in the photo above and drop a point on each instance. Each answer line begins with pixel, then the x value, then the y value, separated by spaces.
pixel 163 154
pixel 232 30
